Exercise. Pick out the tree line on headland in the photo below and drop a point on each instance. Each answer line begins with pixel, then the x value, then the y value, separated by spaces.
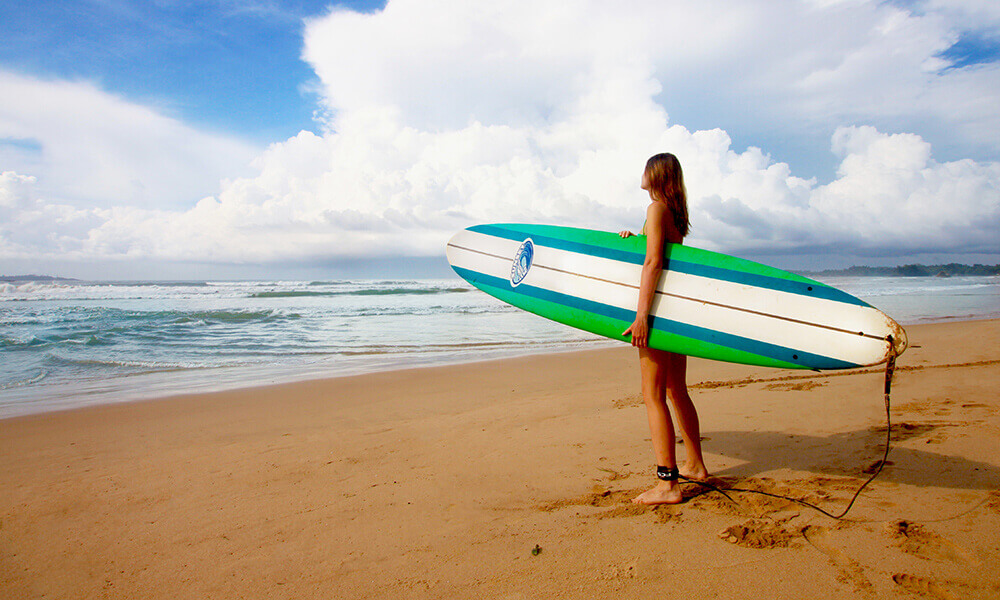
pixel 34 278
pixel 949 270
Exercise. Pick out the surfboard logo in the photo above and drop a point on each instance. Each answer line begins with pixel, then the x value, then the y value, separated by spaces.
pixel 522 262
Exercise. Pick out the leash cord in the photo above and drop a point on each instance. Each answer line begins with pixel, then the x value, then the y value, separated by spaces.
pixel 889 369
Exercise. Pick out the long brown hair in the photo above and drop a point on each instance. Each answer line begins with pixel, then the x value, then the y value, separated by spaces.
pixel 666 184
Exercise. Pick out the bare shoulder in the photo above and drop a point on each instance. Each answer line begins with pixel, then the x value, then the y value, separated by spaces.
pixel 659 219
pixel 656 213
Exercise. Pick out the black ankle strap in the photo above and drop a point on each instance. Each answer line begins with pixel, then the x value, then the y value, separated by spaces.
pixel 668 473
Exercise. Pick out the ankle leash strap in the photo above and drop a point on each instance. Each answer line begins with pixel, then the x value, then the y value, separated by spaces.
pixel 668 473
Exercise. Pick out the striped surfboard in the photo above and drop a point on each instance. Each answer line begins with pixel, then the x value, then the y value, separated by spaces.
pixel 707 304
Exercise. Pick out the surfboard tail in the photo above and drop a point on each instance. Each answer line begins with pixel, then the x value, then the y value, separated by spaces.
pixel 899 341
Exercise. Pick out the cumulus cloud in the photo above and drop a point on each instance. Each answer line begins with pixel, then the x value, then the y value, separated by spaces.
pixel 890 197
pixel 93 148
pixel 29 225
pixel 446 113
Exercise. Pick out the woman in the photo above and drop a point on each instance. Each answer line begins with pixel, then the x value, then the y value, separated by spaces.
pixel 664 373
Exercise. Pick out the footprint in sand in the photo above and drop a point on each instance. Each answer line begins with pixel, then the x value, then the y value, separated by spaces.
pixel 922 586
pixel 616 503
pixel 774 497
pixel 919 541
pixel 757 533
pixel 615 475
pixel 628 401
pixel 850 571
pixel 803 386
pixel 932 432
pixel 993 501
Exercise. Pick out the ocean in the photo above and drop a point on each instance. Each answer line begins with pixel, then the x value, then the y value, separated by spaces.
pixel 71 343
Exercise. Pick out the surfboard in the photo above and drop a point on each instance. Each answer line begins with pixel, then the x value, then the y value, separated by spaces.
pixel 707 304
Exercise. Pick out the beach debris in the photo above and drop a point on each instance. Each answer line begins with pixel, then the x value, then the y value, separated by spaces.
pixel 536 550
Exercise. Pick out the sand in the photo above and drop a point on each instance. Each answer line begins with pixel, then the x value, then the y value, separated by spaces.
pixel 512 479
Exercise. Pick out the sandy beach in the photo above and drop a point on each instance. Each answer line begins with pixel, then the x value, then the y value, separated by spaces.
pixel 512 479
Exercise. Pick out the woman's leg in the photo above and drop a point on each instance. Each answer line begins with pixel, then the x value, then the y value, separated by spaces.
pixel 687 416
pixel 655 368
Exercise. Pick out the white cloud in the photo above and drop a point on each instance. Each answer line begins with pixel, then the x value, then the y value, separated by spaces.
pixel 30 226
pixel 969 14
pixel 448 113
pixel 95 149
pixel 890 196
pixel 15 190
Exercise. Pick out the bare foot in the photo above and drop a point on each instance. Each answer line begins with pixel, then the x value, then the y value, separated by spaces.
pixel 694 472
pixel 665 492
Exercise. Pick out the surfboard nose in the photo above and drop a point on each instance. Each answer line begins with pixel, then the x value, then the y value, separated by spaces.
pixel 453 247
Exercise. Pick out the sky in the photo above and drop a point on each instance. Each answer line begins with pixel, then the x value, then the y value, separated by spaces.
pixel 186 139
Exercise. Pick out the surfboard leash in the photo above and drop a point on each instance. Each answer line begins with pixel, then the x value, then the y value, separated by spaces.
pixel 890 367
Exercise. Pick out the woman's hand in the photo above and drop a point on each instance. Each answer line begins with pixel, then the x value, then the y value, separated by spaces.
pixel 625 234
pixel 639 330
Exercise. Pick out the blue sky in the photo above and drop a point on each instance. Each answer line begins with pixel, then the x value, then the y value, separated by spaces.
pixel 242 137
pixel 231 66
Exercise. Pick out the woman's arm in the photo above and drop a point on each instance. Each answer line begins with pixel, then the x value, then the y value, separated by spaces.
pixel 652 268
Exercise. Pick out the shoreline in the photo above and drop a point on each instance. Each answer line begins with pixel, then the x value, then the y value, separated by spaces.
pixel 443 482
pixel 165 383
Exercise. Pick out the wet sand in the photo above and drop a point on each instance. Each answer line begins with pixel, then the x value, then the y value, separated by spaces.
pixel 512 479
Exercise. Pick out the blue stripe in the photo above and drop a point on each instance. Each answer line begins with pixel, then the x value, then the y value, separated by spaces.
pixel 634 258
pixel 815 290
pixel 702 334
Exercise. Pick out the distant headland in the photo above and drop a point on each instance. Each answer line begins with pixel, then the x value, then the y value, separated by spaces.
pixel 40 278
pixel 949 270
